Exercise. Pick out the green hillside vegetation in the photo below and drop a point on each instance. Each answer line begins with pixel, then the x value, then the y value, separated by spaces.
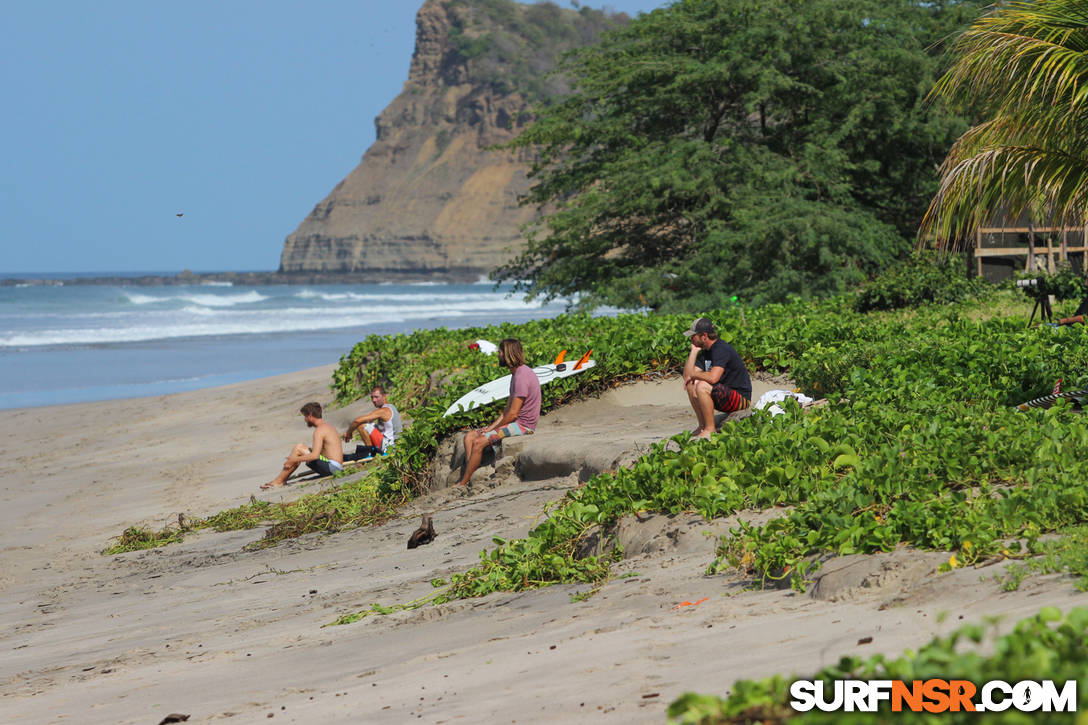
pixel 760 148
pixel 511 47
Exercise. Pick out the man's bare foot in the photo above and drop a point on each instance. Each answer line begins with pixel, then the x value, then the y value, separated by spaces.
pixel 271 484
pixel 703 434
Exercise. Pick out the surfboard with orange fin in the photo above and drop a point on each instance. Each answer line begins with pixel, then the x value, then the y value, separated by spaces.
pixel 499 389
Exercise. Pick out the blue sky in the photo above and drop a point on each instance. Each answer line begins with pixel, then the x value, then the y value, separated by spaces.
pixel 240 115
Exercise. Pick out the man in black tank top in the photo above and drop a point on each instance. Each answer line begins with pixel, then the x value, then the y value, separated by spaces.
pixel 715 377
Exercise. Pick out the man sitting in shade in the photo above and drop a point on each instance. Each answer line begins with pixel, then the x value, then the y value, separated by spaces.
pixel 379 428
pixel 715 377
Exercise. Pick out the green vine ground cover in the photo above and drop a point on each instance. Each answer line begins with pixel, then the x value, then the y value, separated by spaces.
pixel 1046 646
pixel 919 446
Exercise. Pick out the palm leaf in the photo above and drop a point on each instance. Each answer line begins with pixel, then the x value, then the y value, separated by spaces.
pixel 1025 68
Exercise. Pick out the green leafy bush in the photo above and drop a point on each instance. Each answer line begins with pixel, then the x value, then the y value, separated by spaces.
pixel 922 279
pixel 1065 284
pixel 1042 647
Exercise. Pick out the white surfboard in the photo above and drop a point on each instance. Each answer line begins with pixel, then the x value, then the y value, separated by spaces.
pixel 500 389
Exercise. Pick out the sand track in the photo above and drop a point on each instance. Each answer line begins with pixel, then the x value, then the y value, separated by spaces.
pixel 209 629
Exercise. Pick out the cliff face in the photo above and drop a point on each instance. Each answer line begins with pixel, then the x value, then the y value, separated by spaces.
pixel 428 196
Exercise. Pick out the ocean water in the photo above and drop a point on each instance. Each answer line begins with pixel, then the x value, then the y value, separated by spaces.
pixel 75 343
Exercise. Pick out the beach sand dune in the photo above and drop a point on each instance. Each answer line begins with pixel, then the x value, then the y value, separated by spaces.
pixel 206 628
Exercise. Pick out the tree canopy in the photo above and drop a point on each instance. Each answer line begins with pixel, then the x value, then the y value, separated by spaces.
pixel 764 148
pixel 1024 69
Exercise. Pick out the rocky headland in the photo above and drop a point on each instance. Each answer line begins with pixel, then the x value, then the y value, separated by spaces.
pixel 431 195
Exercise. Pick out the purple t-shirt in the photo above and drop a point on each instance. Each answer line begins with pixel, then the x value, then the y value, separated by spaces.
pixel 524 384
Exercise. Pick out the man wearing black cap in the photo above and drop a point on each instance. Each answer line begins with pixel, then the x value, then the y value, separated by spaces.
pixel 714 376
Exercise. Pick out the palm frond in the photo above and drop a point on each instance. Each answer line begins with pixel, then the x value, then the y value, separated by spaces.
pixel 1025 67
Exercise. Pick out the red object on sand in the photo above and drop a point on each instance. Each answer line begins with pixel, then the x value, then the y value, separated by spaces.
pixel 690 604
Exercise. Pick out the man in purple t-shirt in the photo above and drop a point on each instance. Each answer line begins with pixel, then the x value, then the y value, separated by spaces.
pixel 522 408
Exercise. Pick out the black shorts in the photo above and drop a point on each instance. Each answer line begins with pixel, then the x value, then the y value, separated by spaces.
pixel 324 466
pixel 726 399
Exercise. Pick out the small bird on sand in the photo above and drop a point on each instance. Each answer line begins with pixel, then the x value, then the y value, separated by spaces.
pixel 424 534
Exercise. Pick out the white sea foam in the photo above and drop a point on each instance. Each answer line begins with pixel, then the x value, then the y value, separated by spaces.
pixel 207 300
pixel 203 322
pixel 452 297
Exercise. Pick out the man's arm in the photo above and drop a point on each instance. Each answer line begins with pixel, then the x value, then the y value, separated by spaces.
pixel 692 371
pixel 379 413
pixel 712 377
pixel 313 455
pixel 508 416
pixel 689 365
pixel 716 359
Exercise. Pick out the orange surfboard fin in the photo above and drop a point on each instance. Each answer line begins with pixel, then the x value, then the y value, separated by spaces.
pixel 583 360
pixel 559 357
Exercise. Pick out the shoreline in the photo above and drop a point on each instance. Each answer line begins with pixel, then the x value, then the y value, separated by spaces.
pixel 92 405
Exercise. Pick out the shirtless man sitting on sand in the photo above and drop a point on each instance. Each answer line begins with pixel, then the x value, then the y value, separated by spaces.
pixel 325 456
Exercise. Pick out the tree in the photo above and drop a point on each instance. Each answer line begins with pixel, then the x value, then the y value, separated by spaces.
pixel 719 147
pixel 1024 69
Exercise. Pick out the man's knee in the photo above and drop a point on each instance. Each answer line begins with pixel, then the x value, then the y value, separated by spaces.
pixel 473 441
pixel 702 387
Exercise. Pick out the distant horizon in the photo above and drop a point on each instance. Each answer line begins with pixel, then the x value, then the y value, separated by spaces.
pixel 128 273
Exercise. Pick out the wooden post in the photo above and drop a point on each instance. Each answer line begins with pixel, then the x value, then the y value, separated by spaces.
pixel 978 247
pixel 1065 244
pixel 1030 265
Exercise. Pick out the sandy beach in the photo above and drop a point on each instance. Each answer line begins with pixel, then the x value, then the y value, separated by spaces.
pixel 208 629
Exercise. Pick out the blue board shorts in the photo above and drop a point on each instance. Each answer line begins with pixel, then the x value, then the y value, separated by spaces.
pixel 324 466
pixel 508 431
